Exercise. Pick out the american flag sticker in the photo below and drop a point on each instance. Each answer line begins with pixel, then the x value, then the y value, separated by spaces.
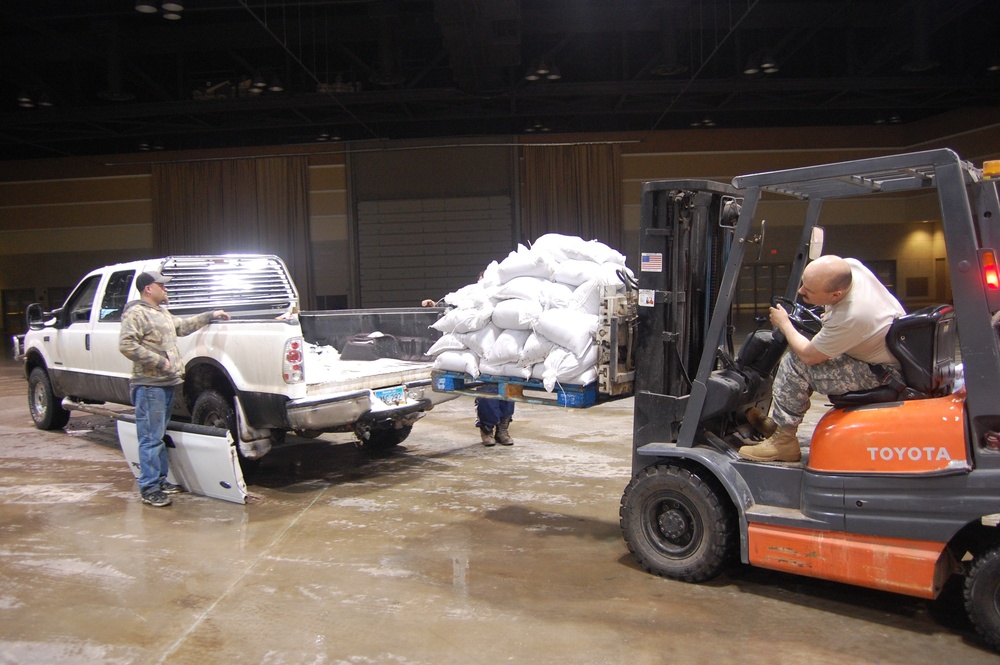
pixel 651 262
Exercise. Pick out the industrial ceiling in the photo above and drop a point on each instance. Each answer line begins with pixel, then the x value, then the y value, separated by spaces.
pixel 86 77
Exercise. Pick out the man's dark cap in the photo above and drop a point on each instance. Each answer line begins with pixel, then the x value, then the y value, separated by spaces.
pixel 150 277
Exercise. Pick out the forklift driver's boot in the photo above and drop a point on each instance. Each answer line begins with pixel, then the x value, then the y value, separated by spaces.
pixel 503 436
pixel 486 433
pixel 761 422
pixel 783 446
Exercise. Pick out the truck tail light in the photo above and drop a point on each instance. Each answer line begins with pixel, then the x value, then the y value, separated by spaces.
pixel 991 274
pixel 291 361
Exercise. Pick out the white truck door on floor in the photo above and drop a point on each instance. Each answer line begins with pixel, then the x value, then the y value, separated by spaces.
pixel 202 459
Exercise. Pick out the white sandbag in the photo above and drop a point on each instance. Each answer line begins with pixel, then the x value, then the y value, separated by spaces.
pixel 463 320
pixel 562 247
pixel 447 342
pixel 569 328
pixel 556 296
pixel 587 297
pixel 525 288
pixel 471 296
pixel 516 314
pixel 480 340
pixel 506 348
pixel 575 272
pixel 506 369
pixel 458 361
pixel 557 245
pixel 586 377
pixel 562 366
pixel 524 263
pixel 536 349
pixel 491 276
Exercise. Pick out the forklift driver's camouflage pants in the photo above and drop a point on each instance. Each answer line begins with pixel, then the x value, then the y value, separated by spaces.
pixel 795 383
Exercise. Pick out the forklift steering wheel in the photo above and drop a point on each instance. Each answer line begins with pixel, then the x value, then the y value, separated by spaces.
pixel 804 319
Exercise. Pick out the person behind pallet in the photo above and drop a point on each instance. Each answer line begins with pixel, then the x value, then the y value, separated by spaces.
pixel 493 416
pixel 849 353
pixel 148 338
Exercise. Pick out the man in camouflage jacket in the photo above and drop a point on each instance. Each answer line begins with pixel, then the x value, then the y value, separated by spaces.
pixel 149 339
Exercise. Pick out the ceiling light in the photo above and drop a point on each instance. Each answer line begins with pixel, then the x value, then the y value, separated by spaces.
pixel 145 6
pixel 172 6
pixel 44 100
pixel 752 68
pixel 24 97
pixel 542 69
pixel 172 16
pixel 275 85
pixel 553 74
pixel 768 64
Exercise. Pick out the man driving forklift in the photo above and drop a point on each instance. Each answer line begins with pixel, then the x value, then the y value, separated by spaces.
pixel 849 352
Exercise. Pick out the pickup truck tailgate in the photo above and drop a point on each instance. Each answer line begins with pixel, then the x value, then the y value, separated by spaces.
pixel 345 375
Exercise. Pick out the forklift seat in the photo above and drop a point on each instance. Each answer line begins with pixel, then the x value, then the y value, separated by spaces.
pixel 924 344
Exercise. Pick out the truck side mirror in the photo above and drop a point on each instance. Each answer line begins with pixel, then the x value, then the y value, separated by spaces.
pixel 816 243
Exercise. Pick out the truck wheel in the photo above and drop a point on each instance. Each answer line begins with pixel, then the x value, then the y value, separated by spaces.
pixel 380 440
pixel 46 409
pixel 982 596
pixel 676 525
pixel 211 408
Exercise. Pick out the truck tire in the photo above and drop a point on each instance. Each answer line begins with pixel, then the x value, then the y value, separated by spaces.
pixel 982 596
pixel 213 409
pixel 46 409
pixel 676 525
pixel 380 440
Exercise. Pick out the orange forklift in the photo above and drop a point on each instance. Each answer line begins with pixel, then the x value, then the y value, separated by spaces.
pixel 899 487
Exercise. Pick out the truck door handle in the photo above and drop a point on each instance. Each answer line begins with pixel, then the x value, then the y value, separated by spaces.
pixel 86 341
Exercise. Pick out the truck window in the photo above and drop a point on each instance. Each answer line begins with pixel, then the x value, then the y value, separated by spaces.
pixel 115 295
pixel 81 301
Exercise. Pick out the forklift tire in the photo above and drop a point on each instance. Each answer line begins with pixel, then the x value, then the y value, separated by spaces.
pixel 982 596
pixel 676 525
pixel 45 408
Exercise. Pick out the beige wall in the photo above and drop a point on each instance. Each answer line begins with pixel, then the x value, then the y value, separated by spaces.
pixel 62 217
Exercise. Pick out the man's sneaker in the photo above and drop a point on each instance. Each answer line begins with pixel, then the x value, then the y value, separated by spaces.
pixel 156 498
pixel 171 488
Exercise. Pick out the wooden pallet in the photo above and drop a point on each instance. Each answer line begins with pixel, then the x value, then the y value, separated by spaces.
pixel 513 389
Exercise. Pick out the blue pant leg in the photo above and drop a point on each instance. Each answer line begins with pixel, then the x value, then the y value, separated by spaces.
pixel 487 412
pixel 491 411
pixel 152 412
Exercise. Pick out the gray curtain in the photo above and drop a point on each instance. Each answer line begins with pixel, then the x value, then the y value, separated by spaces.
pixel 573 190
pixel 234 206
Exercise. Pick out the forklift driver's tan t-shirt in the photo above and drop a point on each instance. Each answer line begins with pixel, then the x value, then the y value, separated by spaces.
pixel 858 323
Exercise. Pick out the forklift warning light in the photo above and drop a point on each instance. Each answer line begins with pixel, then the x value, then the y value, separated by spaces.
pixel 991 274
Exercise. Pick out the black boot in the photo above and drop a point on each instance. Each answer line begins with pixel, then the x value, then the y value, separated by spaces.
pixel 503 436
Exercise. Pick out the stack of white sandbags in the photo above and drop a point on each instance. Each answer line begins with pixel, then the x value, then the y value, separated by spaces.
pixel 534 315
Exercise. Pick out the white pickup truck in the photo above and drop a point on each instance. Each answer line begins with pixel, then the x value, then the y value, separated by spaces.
pixel 270 370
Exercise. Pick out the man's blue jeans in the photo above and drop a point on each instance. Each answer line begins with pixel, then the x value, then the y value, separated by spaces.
pixel 153 405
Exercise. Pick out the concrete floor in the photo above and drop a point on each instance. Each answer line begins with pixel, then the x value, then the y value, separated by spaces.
pixel 443 552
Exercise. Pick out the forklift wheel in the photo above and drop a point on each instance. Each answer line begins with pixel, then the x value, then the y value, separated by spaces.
pixel 982 596
pixel 676 525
